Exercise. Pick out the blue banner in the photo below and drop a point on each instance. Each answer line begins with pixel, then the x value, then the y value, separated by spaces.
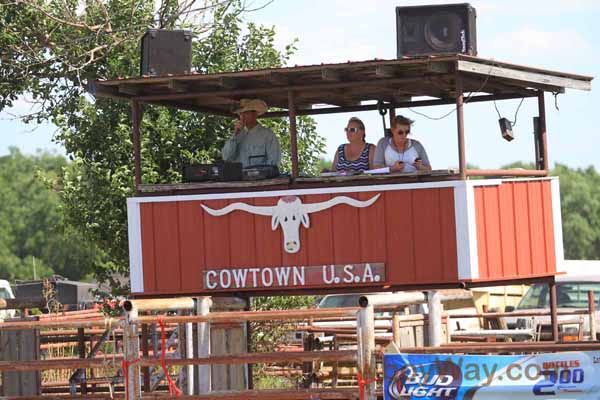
pixel 568 375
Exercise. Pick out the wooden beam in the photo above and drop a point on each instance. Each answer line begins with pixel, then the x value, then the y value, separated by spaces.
pixel 507 172
pixel 111 92
pixel 439 68
pixel 226 83
pixel 136 118
pixel 460 127
pixel 402 99
pixel 129 89
pixel 370 107
pixel 542 127
pixel 385 71
pixel 194 108
pixel 277 78
pixel 178 86
pixel 534 78
pixel 215 100
pixel 348 102
pixel 506 85
pixel 270 90
pixel 330 75
pixel 293 133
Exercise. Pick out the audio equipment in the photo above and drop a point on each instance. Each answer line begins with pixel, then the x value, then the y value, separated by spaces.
pixel 222 171
pixel 258 172
pixel 436 29
pixel 166 52
pixel 506 129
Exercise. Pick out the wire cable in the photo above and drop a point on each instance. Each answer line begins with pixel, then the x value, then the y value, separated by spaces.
pixel 514 121
pixel 465 101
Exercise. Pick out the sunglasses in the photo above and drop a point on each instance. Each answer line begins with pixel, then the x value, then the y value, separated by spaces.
pixel 402 132
pixel 353 130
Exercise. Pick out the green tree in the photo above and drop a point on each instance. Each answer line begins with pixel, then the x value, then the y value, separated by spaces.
pixel 268 335
pixel 100 41
pixel 580 205
pixel 33 234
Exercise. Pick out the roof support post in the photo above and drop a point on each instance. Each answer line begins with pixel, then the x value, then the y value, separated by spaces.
pixel 392 111
pixel 542 128
pixel 293 132
pixel 460 124
pixel 136 117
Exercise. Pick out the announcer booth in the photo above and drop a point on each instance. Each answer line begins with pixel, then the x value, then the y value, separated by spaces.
pixel 295 234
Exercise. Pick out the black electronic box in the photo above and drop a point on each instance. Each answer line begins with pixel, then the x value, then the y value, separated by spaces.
pixel 222 171
pixel 258 172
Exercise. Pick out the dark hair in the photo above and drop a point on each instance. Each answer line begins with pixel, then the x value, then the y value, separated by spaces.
pixel 402 120
pixel 360 124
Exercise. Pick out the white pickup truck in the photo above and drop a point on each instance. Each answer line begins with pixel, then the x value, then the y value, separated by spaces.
pixel 581 276
pixel 6 293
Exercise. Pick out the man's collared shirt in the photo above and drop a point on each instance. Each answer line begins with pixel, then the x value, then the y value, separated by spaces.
pixel 255 146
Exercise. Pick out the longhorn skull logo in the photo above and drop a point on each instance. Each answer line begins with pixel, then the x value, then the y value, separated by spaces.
pixel 289 213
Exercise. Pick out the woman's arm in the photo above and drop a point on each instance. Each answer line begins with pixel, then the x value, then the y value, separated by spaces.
pixel 423 164
pixel 372 149
pixel 379 156
pixel 335 162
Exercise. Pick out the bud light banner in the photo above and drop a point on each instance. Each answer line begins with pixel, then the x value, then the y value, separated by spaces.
pixel 569 375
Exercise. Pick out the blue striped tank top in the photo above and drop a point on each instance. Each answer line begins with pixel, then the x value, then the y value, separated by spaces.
pixel 359 165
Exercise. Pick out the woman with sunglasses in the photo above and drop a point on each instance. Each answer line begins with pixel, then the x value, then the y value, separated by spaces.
pixel 399 152
pixel 357 154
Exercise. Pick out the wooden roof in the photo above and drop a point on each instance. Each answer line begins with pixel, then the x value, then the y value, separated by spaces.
pixel 343 86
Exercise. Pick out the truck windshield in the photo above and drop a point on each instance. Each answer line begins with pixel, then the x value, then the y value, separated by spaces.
pixel 569 295
pixel 4 294
pixel 333 301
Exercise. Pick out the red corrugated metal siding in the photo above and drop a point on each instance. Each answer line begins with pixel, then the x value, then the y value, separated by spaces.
pixel 412 231
pixel 515 230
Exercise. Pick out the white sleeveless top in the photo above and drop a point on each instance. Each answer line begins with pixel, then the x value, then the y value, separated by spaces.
pixel 408 156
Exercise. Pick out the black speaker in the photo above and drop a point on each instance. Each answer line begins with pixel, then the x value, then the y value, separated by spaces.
pixel 166 52
pixel 436 29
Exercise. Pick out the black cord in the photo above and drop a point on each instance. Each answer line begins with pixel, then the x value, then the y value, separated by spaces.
pixel 465 101
pixel 513 122
pixel 497 111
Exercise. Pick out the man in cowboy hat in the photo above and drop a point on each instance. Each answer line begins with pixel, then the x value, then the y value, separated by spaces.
pixel 252 143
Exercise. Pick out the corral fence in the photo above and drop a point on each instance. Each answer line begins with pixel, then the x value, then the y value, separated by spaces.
pixel 135 351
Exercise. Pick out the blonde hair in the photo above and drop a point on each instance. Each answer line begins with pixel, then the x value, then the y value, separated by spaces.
pixel 360 124
pixel 402 120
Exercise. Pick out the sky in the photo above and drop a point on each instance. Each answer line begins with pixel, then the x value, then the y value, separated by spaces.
pixel 550 34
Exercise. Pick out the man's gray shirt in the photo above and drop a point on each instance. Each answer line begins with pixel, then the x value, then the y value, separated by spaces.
pixel 256 146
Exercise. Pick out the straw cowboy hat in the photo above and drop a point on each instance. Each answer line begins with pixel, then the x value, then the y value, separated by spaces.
pixel 252 105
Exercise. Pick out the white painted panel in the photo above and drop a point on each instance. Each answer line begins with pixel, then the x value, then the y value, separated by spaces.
pixel 557 222
pixel 466 231
pixel 134 231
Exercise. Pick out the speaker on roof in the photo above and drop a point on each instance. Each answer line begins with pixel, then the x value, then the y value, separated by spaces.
pixel 436 29
pixel 166 52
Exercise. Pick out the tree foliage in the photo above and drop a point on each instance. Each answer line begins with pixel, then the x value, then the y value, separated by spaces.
pixel 32 230
pixel 53 46
pixel 580 205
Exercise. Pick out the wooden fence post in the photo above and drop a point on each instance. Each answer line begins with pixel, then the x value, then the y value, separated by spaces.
pixel 434 324
pixel 204 371
pixel 132 353
pixel 17 346
pixel 367 369
pixel 396 328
